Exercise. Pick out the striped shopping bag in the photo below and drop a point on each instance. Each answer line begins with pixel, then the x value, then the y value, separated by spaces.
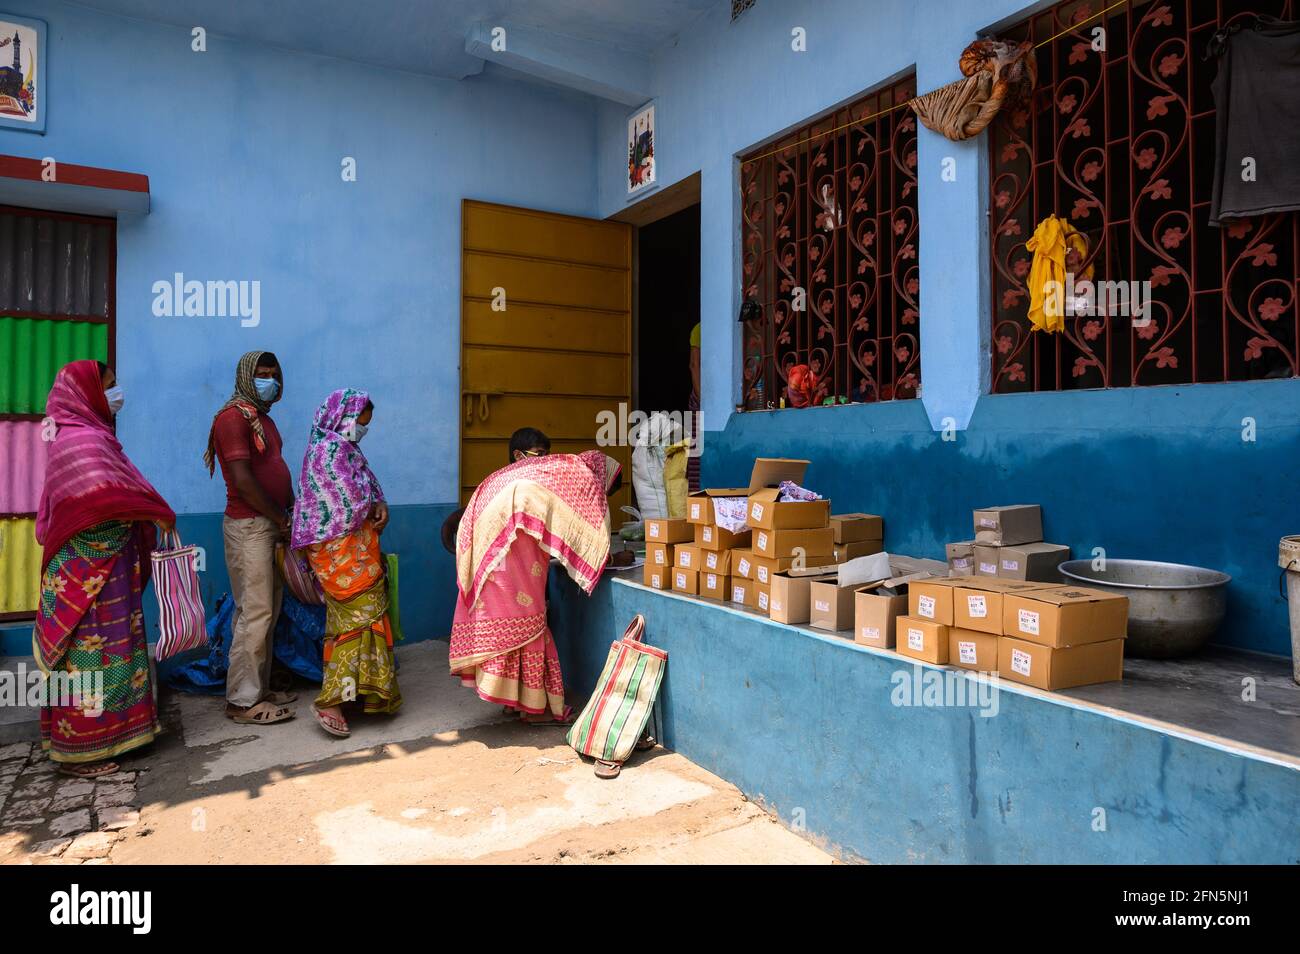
pixel 619 709
pixel 180 604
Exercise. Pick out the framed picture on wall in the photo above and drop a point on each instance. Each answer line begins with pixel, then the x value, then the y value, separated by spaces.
pixel 22 73
pixel 641 150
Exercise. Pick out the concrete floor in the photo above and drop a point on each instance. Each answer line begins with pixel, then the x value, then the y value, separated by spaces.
pixel 449 780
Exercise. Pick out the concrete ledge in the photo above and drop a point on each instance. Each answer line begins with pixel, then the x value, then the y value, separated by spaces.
pixel 807 725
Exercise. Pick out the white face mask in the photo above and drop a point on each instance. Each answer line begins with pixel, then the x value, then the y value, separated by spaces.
pixel 354 432
pixel 115 399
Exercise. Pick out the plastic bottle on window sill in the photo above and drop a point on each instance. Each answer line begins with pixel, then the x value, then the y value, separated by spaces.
pixel 759 402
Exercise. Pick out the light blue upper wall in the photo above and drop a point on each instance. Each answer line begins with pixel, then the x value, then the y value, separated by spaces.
pixel 360 281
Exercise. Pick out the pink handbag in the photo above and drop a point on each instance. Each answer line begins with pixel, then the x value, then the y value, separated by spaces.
pixel 180 603
pixel 299 577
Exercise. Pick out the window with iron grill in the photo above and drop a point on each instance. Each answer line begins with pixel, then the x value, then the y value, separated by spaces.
pixel 830 222
pixel 1120 143
pixel 739 6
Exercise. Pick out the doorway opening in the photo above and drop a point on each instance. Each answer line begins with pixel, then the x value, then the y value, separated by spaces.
pixel 668 309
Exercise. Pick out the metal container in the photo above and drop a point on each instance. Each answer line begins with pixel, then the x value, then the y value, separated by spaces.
pixel 1173 609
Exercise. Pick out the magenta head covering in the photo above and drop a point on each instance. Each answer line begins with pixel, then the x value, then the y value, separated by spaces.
pixel 336 488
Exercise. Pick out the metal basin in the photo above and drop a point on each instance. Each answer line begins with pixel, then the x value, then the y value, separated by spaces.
pixel 1173 609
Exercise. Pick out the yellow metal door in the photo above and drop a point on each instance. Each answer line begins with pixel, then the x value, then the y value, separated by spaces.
pixel 546 334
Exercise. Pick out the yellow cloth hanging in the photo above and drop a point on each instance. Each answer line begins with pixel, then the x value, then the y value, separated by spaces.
pixel 1052 240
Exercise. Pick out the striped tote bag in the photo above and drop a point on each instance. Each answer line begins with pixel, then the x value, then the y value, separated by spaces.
pixel 180 604
pixel 619 708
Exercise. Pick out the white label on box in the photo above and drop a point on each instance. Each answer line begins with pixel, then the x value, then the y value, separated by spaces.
pixel 685 558
pixel 744 567
pixel 870 632
pixel 1012 565
pixel 762 601
pixel 1020 661
pixel 989 522
pixel 762 541
pixel 708 534
pixel 963 563
pixel 976 606
pixel 695 511
pixel 659 556
pixel 654 529
pixel 966 651
pixel 711 561
pixel 1029 622
pixel 756 511
pixel 989 569
pixel 656 581
pixel 681 581
pixel 762 574
pixel 925 606
pixel 822 606
pixel 712 583
pixel 915 639
pixel 737 594
pixel 776 606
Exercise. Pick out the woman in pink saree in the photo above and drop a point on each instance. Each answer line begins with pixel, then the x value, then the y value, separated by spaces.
pixel 518 518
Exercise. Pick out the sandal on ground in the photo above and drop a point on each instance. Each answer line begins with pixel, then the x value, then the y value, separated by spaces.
pixel 264 713
pixel 607 769
pixel 331 724
pixel 281 698
pixel 645 743
pixel 548 719
pixel 91 770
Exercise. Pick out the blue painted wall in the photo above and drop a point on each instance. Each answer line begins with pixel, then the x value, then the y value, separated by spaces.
pixel 806 725
pixel 360 281
pixel 1154 473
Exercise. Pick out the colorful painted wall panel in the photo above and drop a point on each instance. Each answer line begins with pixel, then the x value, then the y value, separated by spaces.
pixel 22 466
pixel 31 352
pixel 20 566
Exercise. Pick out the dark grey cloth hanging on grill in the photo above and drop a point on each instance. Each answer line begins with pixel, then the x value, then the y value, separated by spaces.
pixel 1257 95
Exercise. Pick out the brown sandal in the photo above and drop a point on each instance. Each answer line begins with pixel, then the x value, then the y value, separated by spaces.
pixel 263 713
pixel 88 770
pixel 606 769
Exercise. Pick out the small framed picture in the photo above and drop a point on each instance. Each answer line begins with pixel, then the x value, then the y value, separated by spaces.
pixel 22 73
pixel 641 150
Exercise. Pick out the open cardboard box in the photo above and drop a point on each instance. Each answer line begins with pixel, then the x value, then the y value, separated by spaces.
pixel 768 513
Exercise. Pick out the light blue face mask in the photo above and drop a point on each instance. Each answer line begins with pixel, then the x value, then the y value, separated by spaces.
pixel 268 389
pixel 115 398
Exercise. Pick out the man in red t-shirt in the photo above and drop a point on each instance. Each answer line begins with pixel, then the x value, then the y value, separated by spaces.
pixel 259 501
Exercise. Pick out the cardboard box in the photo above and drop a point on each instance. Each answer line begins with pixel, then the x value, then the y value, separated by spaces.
pixel 716 561
pixel 986 560
pixel 844 552
pixel 783 543
pixel 922 639
pixel 791 598
pixel 932 599
pixel 978 604
pixel 857 527
pixel 710 537
pixel 742 591
pixel 961 558
pixel 1047 668
pixel 1007 526
pixel 767 512
pixel 686 581
pixel 715 586
pixel 832 605
pixel 907 566
pixel 763 598
pixel 875 612
pixel 699 505
pixel 1032 561
pixel 742 563
pixel 659 554
pixel 657 576
pixel 1065 616
pixel 675 530
pixel 969 649
pixel 686 556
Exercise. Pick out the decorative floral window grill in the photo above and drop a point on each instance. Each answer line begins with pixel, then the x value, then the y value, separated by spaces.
pixel 1120 143
pixel 830 222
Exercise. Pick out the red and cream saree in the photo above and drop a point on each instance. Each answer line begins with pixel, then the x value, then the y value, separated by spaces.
pixel 517 519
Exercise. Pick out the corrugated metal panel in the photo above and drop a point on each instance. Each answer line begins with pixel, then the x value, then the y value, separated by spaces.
pixel 54 266
pixel 22 466
pixel 31 352
pixel 20 566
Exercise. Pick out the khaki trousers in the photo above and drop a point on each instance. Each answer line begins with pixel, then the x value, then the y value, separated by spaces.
pixel 255 585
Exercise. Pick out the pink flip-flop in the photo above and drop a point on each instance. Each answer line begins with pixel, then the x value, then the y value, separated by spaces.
pixel 330 724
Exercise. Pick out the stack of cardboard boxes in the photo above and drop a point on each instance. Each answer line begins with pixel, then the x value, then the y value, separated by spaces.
pixel 1044 635
pixel 1008 545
